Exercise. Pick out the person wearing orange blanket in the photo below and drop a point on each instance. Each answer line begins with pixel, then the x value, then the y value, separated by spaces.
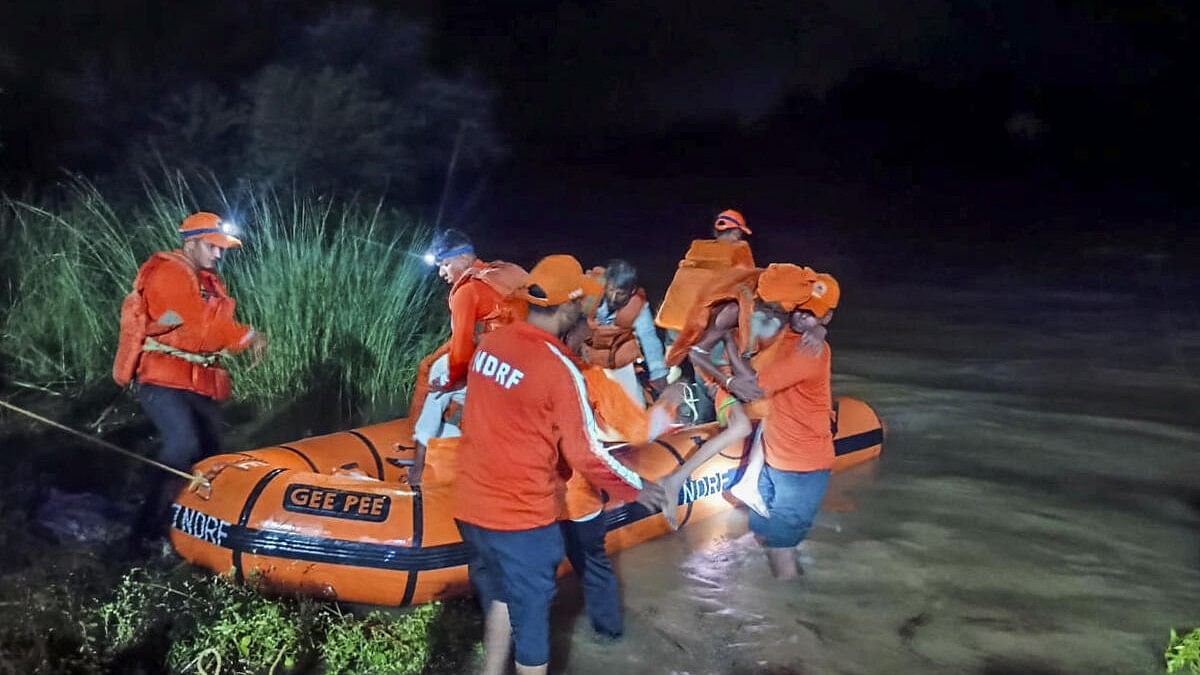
pixel 797 439
pixel 176 327
pixel 779 290
pixel 480 301
pixel 527 424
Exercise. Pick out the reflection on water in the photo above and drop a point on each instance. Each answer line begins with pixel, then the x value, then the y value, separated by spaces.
pixel 1036 511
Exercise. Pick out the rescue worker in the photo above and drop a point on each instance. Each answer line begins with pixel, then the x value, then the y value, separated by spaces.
pixel 527 422
pixel 177 325
pixel 480 300
pixel 705 261
pixel 777 292
pixel 797 439
pixel 623 333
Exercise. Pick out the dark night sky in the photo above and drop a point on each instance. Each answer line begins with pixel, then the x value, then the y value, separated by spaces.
pixel 913 113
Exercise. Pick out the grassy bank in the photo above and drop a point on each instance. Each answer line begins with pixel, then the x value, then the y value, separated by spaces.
pixel 334 285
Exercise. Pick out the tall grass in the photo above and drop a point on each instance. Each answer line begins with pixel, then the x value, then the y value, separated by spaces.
pixel 333 285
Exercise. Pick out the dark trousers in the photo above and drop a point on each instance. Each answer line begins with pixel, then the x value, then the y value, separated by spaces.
pixel 189 429
pixel 584 542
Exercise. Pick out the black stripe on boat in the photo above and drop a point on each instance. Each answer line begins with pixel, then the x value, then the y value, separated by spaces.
pixel 374 453
pixel 862 441
pixel 244 518
pixel 418 514
pixel 302 456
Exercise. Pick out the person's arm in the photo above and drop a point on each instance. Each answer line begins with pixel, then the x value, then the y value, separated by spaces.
pixel 172 298
pixel 652 347
pixel 462 335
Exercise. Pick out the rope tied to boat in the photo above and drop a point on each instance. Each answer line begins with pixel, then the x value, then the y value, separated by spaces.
pixel 195 480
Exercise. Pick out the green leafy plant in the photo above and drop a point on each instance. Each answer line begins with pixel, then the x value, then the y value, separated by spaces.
pixel 1183 652
pixel 379 644
pixel 243 630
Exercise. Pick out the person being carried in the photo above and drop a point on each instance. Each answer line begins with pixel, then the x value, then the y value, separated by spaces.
pixel 480 301
pixel 527 424
pixel 177 326
pixel 778 291
pixel 623 332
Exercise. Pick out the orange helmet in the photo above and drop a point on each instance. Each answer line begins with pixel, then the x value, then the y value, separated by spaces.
pixel 731 220
pixel 209 227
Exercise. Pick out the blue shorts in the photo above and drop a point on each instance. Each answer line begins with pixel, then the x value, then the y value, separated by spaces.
pixel 793 499
pixel 518 568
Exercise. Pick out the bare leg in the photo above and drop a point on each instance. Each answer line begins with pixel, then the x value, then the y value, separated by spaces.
pixel 747 488
pixel 497 640
pixel 739 428
pixel 782 562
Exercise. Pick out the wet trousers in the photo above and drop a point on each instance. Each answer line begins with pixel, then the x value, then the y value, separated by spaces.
pixel 189 429
pixel 584 542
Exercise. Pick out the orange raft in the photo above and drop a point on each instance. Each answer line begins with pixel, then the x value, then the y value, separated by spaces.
pixel 333 516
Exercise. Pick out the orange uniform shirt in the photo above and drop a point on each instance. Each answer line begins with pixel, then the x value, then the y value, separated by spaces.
pixel 527 424
pixel 798 435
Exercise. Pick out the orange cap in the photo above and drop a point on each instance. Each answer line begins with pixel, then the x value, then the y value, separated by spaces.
pixel 825 295
pixel 786 285
pixel 731 220
pixel 208 227
pixel 559 279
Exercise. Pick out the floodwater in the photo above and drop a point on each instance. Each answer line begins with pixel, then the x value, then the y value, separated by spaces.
pixel 1036 509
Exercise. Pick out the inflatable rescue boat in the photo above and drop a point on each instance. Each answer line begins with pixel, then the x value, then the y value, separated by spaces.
pixel 333 516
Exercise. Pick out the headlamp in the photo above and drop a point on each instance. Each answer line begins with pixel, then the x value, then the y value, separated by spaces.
pixel 230 228
pixel 429 259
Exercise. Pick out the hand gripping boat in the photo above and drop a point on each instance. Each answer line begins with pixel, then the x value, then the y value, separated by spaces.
pixel 332 516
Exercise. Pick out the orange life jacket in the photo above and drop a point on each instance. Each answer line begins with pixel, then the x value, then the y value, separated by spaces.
pixel 503 277
pixel 136 324
pixel 185 355
pixel 616 345
pixel 733 285
pixel 705 260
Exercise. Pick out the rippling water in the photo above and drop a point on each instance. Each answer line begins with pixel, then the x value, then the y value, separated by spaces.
pixel 1036 509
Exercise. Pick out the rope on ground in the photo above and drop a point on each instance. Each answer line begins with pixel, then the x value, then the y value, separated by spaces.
pixel 199 662
pixel 194 480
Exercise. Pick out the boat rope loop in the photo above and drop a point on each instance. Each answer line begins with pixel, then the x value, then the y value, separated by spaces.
pixel 195 480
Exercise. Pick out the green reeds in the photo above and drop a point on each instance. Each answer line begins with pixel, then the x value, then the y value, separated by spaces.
pixel 335 287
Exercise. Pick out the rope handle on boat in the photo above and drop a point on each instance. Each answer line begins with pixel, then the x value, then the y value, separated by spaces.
pixel 195 480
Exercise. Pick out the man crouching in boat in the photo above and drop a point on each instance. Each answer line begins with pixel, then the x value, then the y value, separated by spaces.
pixel 176 326
pixel 527 419
pixel 623 332
pixel 480 301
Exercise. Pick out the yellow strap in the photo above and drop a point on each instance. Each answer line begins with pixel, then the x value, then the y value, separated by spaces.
pixel 206 359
